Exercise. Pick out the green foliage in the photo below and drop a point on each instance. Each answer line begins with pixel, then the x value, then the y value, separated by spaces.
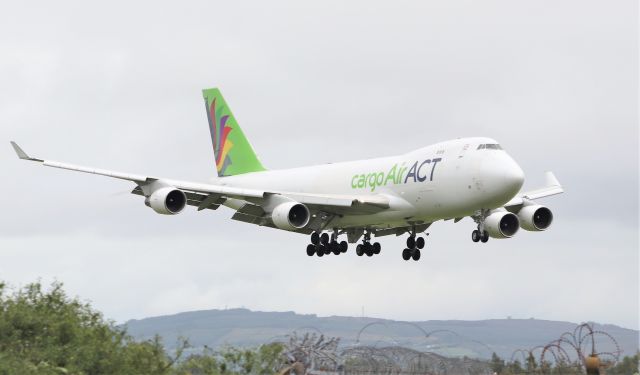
pixel 628 366
pixel 266 359
pixel 496 364
pixel 46 332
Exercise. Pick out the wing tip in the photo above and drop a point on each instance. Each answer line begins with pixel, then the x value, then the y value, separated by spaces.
pixel 21 154
pixel 551 179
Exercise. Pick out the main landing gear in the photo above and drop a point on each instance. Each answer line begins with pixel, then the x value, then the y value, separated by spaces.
pixel 367 248
pixel 414 244
pixel 321 245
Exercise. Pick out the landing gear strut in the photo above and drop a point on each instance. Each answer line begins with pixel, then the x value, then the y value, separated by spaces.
pixel 367 248
pixel 322 244
pixel 414 244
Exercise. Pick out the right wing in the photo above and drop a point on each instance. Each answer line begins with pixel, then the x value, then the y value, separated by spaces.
pixel 210 196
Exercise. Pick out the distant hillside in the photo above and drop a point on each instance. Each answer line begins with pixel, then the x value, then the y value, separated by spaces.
pixel 241 327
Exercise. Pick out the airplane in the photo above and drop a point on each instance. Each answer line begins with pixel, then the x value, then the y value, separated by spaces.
pixel 396 195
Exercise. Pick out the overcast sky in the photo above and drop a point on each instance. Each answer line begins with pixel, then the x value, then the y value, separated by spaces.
pixel 117 85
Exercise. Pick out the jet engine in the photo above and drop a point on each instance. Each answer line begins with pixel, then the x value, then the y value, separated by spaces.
pixel 290 215
pixel 535 217
pixel 167 201
pixel 501 224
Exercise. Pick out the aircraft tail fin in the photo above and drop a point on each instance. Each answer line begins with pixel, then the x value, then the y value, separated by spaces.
pixel 233 152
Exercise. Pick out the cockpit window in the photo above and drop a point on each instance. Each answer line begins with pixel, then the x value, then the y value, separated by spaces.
pixel 490 146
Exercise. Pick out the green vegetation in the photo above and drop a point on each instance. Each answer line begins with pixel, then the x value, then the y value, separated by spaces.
pixel 46 332
pixel 267 359
pixel 627 366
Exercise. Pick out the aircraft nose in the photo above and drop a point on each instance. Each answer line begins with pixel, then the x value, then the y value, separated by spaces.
pixel 513 175
pixel 502 176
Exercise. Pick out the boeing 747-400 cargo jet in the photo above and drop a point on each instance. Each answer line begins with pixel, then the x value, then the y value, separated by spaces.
pixel 404 194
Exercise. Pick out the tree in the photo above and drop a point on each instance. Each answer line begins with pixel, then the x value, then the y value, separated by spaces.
pixel 46 332
pixel 497 364
pixel 531 364
pixel 630 365
pixel 266 359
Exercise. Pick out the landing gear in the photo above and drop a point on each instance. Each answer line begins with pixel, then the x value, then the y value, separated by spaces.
pixel 475 235
pixel 367 248
pixel 406 254
pixel 311 249
pixel 414 244
pixel 323 244
pixel 479 236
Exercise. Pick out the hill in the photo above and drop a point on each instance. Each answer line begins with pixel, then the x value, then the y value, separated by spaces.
pixel 242 327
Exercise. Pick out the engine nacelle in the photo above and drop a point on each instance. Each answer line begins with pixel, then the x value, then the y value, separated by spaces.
pixel 290 215
pixel 535 217
pixel 501 224
pixel 167 201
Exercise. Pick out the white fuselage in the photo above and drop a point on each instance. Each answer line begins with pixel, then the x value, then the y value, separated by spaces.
pixel 451 179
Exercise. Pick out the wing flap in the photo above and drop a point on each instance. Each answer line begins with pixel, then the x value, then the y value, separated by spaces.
pixel 342 204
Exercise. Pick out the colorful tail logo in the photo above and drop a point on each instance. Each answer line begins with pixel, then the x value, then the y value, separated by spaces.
pixel 220 136
pixel 232 152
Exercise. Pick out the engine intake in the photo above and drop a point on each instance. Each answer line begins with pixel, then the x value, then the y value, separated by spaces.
pixel 535 218
pixel 502 224
pixel 167 201
pixel 290 215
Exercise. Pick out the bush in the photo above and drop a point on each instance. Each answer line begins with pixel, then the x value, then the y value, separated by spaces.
pixel 46 332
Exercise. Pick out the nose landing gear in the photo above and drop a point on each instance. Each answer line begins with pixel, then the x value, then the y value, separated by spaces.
pixel 479 235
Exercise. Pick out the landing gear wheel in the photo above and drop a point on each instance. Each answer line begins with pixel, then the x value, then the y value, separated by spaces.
pixel 416 255
pixel 320 252
pixel 411 242
pixel 344 246
pixel 376 248
pixel 311 249
pixel 475 236
pixel 359 250
pixel 420 242
pixel 485 236
pixel 327 249
pixel 406 254
pixel 324 238
pixel 315 238
pixel 368 249
pixel 335 248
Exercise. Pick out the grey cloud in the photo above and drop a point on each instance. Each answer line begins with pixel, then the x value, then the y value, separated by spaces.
pixel 117 85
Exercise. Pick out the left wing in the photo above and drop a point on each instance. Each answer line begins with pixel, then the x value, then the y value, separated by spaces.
pixel 552 187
